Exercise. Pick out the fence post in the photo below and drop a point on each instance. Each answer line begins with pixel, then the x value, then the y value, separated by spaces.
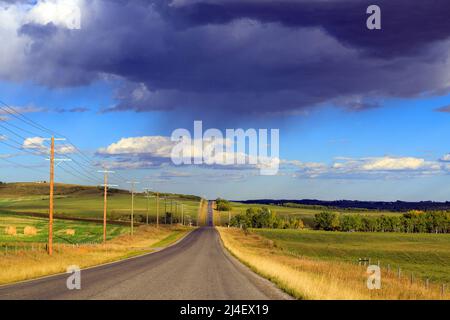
pixel 443 290
pixel 412 278
pixel 399 272
pixel 427 283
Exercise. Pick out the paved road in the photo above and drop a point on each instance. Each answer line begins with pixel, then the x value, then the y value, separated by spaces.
pixel 197 267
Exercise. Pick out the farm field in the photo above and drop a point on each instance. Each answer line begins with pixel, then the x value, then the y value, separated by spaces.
pixel 83 232
pixel 87 202
pixel 424 255
pixel 306 213
pixel 28 264
pixel 310 277
pixel 23 236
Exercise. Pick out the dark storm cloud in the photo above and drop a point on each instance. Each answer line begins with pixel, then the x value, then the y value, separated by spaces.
pixel 407 26
pixel 247 57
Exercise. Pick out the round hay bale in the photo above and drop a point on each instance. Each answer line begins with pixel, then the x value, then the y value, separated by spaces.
pixel 29 231
pixel 10 230
pixel 70 232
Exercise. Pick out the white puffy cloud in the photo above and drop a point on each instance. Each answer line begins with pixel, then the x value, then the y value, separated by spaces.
pixel 446 157
pixel 38 144
pixel 389 163
pixel 157 146
pixel 16 46
pixel 12 54
pixel 151 151
pixel 373 167
pixel 63 13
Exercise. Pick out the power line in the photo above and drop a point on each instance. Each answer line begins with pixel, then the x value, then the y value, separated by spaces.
pixel 71 173
pixel 18 148
pixel 20 116
pixel 22 165
pixel 37 145
pixel 86 176
pixel 19 128
pixel 11 111
pixel 81 173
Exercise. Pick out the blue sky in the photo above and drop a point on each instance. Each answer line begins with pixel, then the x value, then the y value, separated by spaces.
pixel 400 128
pixel 361 115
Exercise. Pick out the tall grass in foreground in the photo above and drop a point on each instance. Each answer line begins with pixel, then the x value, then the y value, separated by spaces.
pixel 306 278
pixel 422 255
pixel 25 265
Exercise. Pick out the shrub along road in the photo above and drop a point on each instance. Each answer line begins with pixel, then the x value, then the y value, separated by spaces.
pixel 197 267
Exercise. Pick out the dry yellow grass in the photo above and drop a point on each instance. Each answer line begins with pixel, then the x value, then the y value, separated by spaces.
pixel 10 230
pixel 25 265
pixel 203 212
pixel 306 278
pixel 29 231
pixel 217 215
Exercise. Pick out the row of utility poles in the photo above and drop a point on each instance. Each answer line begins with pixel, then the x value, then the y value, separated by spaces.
pixel 105 199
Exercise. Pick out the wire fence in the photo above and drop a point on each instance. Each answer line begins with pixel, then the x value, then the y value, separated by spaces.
pixel 20 248
pixel 393 271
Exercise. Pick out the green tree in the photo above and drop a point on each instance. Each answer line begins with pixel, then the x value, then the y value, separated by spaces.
pixel 326 221
pixel 350 222
pixel 223 205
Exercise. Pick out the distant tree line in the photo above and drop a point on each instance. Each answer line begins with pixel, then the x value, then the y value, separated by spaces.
pixel 399 206
pixel 264 218
pixel 410 222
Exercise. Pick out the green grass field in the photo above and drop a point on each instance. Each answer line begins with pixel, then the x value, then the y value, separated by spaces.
pixel 87 202
pixel 306 213
pixel 84 231
pixel 18 200
pixel 425 255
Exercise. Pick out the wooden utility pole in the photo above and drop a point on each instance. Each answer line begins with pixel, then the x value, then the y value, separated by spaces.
pixel 171 211
pixel 105 200
pixel 165 210
pixel 147 196
pixel 52 183
pixel 105 204
pixel 182 216
pixel 132 204
pixel 50 209
pixel 157 209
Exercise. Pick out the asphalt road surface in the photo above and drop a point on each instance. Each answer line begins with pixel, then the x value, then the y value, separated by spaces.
pixel 197 267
